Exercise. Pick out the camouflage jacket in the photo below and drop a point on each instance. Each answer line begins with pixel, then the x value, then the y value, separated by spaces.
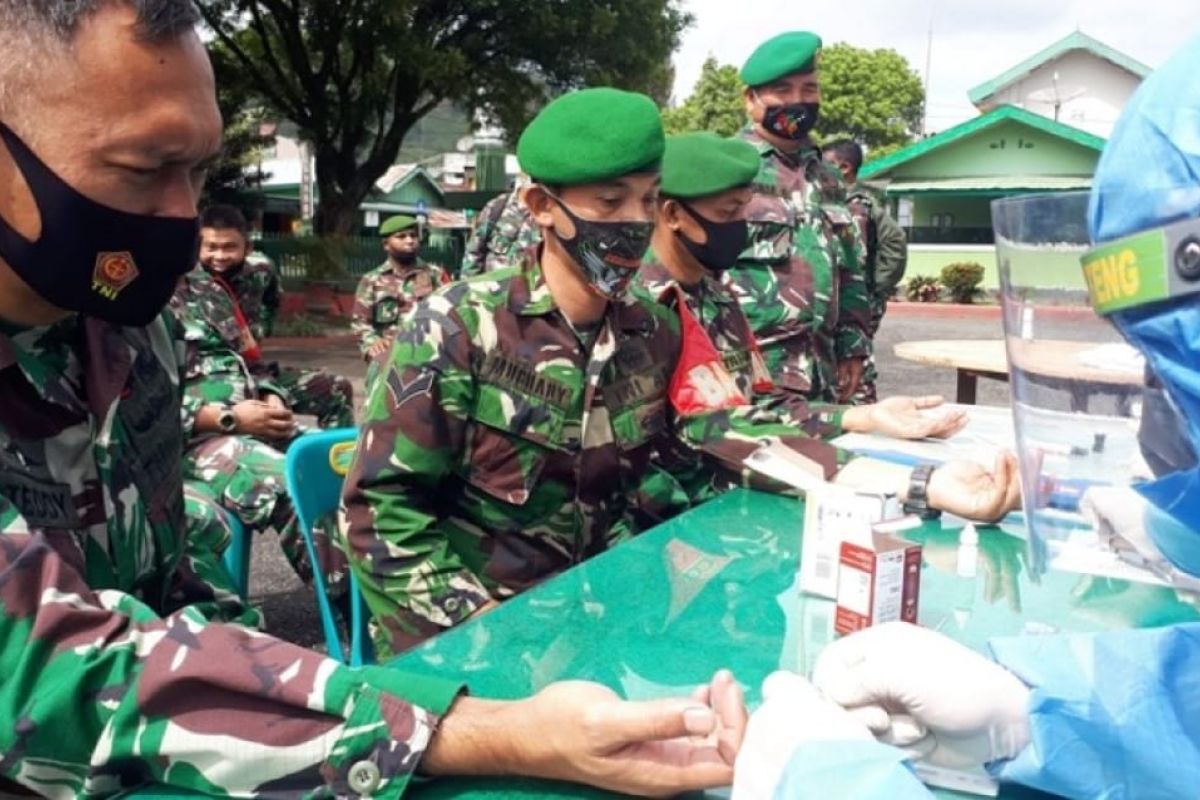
pixel 498 448
pixel 707 453
pixel 503 230
pixel 116 670
pixel 215 368
pixel 800 281
pixel 385 295
pixel 887 245
pixel 257 288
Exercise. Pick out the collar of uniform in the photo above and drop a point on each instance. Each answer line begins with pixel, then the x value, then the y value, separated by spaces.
pixel 528 294
pixel 37 350
pixel 653 276
pixel 765 148
pixel 402 272
pixel 714 288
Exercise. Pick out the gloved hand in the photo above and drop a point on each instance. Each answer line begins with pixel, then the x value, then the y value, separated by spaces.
pixel 793 713
pixel 967 710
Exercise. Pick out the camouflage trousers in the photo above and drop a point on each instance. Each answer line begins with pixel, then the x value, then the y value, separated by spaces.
pixel 327 396
pixel 867 393
pixel 208 535
pixel 246 477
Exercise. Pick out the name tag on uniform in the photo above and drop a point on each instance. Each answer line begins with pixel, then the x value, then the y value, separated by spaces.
pixel 43 505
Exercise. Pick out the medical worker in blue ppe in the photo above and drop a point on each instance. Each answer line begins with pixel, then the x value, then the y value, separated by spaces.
pixel 1109 715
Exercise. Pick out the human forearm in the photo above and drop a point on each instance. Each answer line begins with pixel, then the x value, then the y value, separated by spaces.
pixel 173 674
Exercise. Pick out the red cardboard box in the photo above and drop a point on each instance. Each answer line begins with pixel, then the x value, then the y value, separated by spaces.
pixel 877 584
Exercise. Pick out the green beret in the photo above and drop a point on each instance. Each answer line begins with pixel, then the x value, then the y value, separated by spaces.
pixel 782 55
pixel 400 222
pixel 592 135
pixel 700 164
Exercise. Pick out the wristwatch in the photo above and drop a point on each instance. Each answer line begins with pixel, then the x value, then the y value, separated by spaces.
pixel 918 493
pixel 227 421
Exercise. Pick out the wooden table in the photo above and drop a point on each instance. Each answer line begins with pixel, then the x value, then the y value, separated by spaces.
pixel 1050 362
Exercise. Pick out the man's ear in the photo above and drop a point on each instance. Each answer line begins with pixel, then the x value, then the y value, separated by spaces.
pixel 540 203
pixel 669 212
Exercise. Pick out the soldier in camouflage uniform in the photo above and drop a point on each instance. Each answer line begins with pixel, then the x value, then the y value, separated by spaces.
pixel 503 230
pixel 252 282
pixel 701 230
pixel 389 292
pixel 507 436
pixel 800 282
pixel 116 670
pixel 241 457
pixel 887 246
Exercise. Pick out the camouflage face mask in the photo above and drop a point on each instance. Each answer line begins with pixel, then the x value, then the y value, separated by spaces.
pixel 609 253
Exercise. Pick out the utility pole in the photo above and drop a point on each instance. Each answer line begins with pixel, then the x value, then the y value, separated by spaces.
pixel 928 62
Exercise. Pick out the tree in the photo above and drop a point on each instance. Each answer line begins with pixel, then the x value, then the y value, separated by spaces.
pixel 237 171
pixel 871 96
pixel 714 105
pixel 355 75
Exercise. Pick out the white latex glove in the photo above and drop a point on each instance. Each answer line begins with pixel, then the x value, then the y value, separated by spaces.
pixel 793 712
pixel 1119 514
pixel 919 690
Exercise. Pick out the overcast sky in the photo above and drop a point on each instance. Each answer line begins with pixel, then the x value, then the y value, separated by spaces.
pixel 973 40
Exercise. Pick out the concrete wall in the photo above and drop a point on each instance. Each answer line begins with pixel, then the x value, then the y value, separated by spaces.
pixel 1091 90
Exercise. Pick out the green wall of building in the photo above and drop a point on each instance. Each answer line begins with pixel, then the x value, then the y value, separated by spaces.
pixel 1050 270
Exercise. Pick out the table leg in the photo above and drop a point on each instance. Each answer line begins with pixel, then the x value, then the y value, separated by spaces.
pixel 968 383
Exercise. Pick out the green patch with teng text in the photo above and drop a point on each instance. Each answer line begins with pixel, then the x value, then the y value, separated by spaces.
pixel 1129 272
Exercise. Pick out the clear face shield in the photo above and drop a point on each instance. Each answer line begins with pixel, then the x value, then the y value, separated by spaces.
pixel 1105 374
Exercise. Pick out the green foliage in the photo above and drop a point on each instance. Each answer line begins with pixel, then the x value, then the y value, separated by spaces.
pixel 298 325
pixel 872 96
pixel 922 289
pixel 714 105
pixel 236 173
pixel 962 280
pixel 356 76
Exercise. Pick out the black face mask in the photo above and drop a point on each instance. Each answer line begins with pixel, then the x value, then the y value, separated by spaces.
pixel 93 259
pixel 791 121
pixel 403 259
pixel 609 253
pixel 724 243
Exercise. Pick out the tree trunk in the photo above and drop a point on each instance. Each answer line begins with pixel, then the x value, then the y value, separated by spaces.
pixel 337 213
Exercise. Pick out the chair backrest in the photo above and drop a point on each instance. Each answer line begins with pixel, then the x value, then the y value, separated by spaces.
pixel 316 468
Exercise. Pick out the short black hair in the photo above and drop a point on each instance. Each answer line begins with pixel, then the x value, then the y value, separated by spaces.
pixel 225 218
pixel 846 150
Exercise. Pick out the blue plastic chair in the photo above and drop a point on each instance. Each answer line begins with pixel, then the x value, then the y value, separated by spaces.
pixel 316 467
pixel 237 555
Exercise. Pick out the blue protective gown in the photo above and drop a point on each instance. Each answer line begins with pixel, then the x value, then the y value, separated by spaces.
pixel 1115 714
pixel 1112 715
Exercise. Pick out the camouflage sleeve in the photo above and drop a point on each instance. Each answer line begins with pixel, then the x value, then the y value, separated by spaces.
pixel 360 316
pixel 475 255
pixel 190 404
pixel 112 696
pixel 413 435
pixel 854 307
pixel 891 254
pixel 727 438
pixel 819 420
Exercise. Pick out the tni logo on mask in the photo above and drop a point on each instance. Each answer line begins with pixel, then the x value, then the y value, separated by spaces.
pixel 114 271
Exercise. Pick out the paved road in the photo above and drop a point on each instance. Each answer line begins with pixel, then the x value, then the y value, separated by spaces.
pixel 289 607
